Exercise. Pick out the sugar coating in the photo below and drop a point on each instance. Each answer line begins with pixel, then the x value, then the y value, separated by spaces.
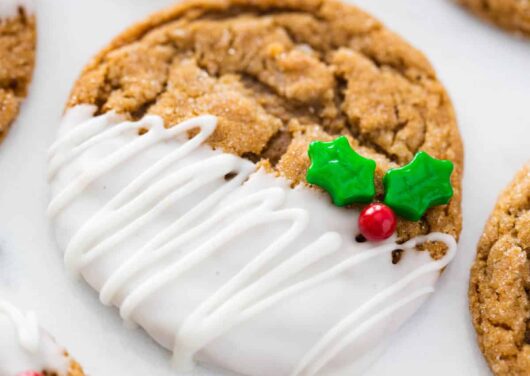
pixel 17 49
pixel 500 278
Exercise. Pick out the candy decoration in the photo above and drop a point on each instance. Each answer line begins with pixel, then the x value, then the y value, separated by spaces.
pixel 377 222
pixel 424 182
pixel 30 373
pixel 344 174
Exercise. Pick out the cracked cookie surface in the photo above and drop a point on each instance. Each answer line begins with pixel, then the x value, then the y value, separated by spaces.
pixel 278 75
pixel 17 49
pixel 500 280
pixel 512 15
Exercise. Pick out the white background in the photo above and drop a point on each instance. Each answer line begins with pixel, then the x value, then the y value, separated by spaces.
pixel 486 72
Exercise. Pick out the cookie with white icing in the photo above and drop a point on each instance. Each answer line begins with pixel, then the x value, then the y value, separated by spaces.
pixel 27 350
pixel 17 49
pixel 180 186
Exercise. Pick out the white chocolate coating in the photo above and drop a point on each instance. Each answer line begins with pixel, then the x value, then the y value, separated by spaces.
pixel 9 8
pixel 24 346
pixel 243 273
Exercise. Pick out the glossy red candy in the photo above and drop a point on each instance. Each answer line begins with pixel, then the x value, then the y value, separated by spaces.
pixel 377 222
pixel 30 373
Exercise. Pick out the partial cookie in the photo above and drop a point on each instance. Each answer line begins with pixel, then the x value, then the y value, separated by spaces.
pixel 513 15
pixel 500 280
pixel 180 186
pixel 26 349
pixel 17 49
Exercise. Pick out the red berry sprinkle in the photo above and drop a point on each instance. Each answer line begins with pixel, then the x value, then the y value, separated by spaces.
pixel 30 373
pixel 377 222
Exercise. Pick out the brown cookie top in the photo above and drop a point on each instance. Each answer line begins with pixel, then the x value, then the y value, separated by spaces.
pixel 513 15
pixel 17 51
pixel 500 281
pixel 279 74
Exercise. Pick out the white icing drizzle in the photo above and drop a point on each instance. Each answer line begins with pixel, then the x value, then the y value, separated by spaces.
pixel 344 332
pixel 23 346
pixel 118 234
pixel 9 8
pixel 26 325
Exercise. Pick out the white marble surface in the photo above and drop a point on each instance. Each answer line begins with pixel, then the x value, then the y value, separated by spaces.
pixel 485 71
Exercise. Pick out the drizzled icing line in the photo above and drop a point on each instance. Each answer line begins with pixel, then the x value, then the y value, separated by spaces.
pixel 345 331
pixel 26 325
pixel 25 347
pixel 230 208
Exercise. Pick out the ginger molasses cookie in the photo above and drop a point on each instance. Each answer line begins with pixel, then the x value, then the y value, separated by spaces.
pixel 498 289
pixel 17 52
pixel 512 15
pixel 269 187
pixel 27 350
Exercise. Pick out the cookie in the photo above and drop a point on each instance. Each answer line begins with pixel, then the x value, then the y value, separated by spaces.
pixel 512 15
pixel 498 289
pixel 181 189
pixel 29 350
pixel 17 48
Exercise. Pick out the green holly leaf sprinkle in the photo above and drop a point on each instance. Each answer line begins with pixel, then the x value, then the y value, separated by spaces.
pixel 344 174
pixel 423 183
